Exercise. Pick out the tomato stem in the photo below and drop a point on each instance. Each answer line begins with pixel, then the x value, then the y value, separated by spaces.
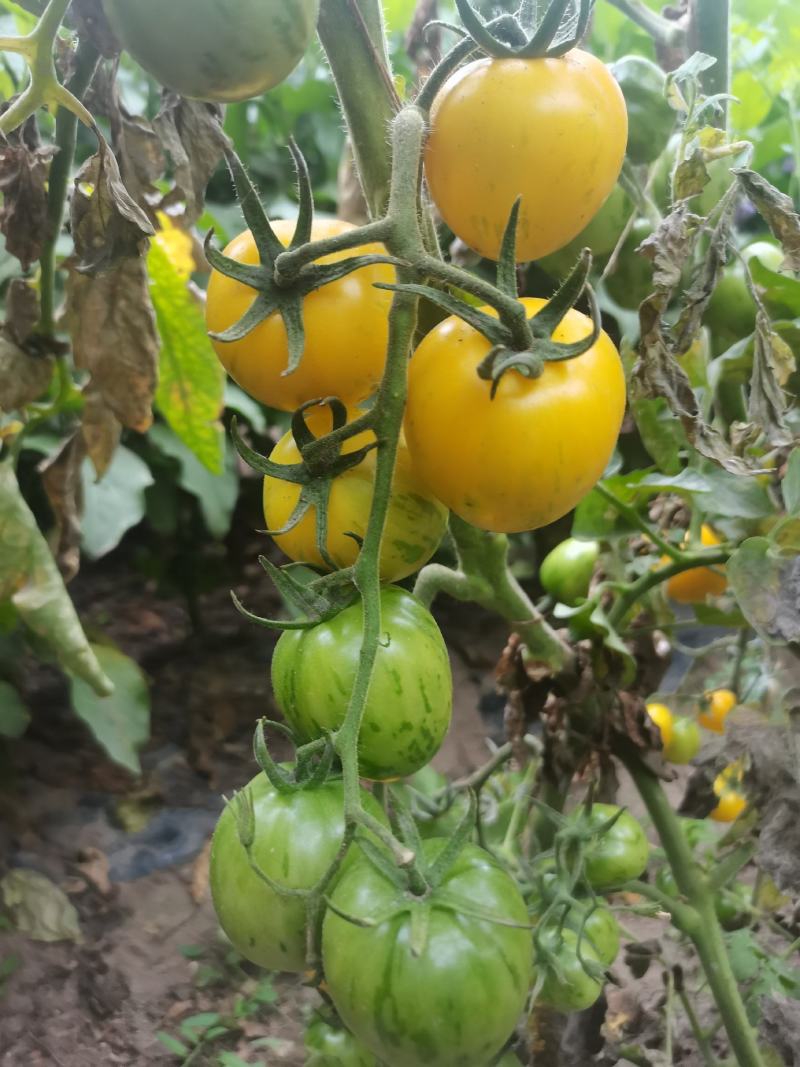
pixel 637 589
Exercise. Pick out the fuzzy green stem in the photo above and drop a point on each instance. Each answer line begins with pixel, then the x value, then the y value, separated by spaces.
pixel 653 578
pixel 664 31
pixel 634 518
pixel 700 922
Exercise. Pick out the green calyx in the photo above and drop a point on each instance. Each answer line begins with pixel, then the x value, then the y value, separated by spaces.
pixel 311 769
pixel 278 291
pixel 524 38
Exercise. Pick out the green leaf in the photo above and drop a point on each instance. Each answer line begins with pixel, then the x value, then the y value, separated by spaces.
pixel 39 908
pixel 120 722
pixel 767 586
pixel 662 434
pixel 115 504
pixel 195 1026
pixel 791 483
pixel 216 494
pixel 14 716
pixel 192 380
pixel 711 615
pixel 237 400
pixel 753 102
pixel 171 1044
pixel 30 578
pixel 687 481
pixel 597 519
pixel 735 497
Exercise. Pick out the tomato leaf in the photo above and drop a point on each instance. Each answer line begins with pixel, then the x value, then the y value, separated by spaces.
pixel 767 586
pixel 120 722
pixel 778 210
pixel 39 908
pixel 114 504
pixel 215 493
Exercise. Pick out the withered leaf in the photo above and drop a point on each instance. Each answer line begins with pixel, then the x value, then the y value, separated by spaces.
pixel 114 336
pixel 100 430
pixel 23 183
pixel 23 377
pixel 670 246
pixel 192 134
pixel 778 210
pixel 22 311
pixel 61 478
pixel 773 362
pixel 107 224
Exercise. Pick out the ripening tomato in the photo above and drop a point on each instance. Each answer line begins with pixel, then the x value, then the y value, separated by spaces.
pixel 662 717
pixel 692 587
pixel 428 983
pixel 568 986
pixel 685 741
pixel 297 836
pixel 727 786
pixel 410 696
pixel 525 458
pixel 415 522
pixel 346 328
pixel 552 131
pixel 715 708
pixel 215 51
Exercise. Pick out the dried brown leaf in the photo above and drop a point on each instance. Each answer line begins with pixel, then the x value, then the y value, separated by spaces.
pixel 61 478
pixel 100 429
pixel 94 867
pixel 114 336
pixel 24 168
pixel 200 875
pixel 778 211
pixel 773 362
pixel 191 132
pixel 23 377
pixel 22 310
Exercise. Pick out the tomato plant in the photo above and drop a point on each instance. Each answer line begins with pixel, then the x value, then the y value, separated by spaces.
pixel 560 147
pixel 297 837
pixel 408 709
pixel 566 572
pixel 436 979
pixel 482 456
pixel 201 50
pixel 346 328
pixel 415 522
pixel 618 853
pixel 569 984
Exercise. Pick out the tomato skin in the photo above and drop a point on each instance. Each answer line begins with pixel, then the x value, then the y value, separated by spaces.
pixel 525 458
pixel 410 697
pixel 716 707
pixel 415 523
pixel 684 744
pixel 693 586
pixel 662 717
pixel 346 328
pixel 566 572
pixel 332 1046
pixel 620 854
pixel 459 1000
pixel 567 987
pixel 550 130
pixel 732 905
pixel 297 837
pixel 200 50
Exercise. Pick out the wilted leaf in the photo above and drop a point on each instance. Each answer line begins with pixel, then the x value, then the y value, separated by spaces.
pixel 22 310
pixel 115 503
pixel 670 246
pixel 773 362
pixel 121 721
pixel 30 578
pixel 14 716
pixel 791 483
pixel 767 586
pixel 39 908
pixel 114 336
pixel 23 377
pixel 100 430
pixel 107 224
pixel 192 134
pixel 61 478
pixel 24 166
pixel 778 210
pixel 662 434
pixel 191 389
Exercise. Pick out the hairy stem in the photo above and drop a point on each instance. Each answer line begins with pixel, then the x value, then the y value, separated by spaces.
pixel 662 574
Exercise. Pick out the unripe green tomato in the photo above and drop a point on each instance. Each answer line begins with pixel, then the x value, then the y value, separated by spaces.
pixel 334 1046
pixel 567 985
pixel 732 905
pixel 600 236
pixel 566 572
pixel 632 279
pixel 650 118
pixel 684 744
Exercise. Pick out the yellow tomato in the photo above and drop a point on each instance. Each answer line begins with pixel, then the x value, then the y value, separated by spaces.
pixel 525 458
pixel 732 801
pixel 415 522
pixel 662 717
pixel 692 587
pixel 716 707
pixel 552 131
pixel 346 328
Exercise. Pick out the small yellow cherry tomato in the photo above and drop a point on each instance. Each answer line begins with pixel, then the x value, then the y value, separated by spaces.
pixel 346 328
pixel 732 800
pixel 525 458
pixel 415 522
pixel 550 130
pixel 692 587
pixel 662 717
pixel 716 706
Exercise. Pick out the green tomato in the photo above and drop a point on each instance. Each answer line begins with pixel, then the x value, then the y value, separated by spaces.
pixel 731 313
pixel 594 924
pixel 619 854
pixel 567 985
pixel 632 279
pixel 732 905
pixel 566 572
pixel 297 837
pixel 212 50
pixel 600 236
pixel 410 696
pixel 333 1046
pixel 650 118
pixel 428 983
pixel 684 744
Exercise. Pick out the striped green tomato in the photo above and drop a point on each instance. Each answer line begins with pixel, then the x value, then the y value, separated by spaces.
pixel 297 837
pixel 221 50
pixel 410 696
pixel 438 980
